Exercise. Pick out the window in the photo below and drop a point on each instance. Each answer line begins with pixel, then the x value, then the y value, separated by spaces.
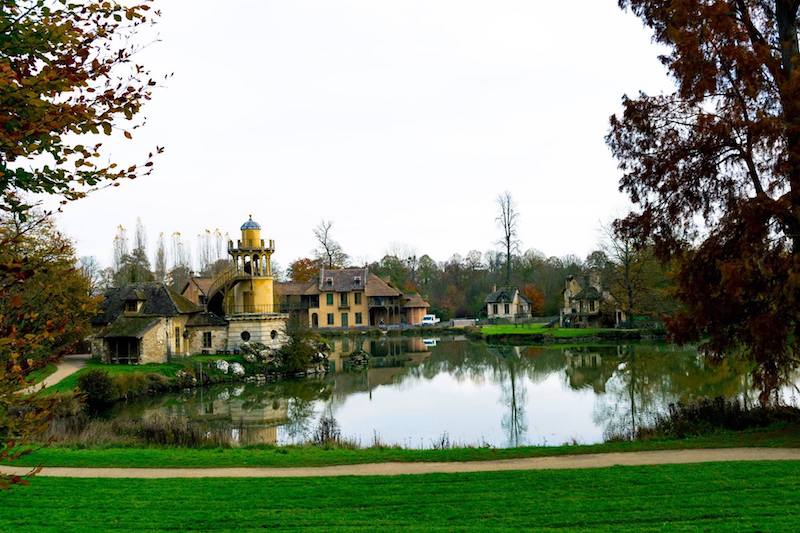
pixel 343 299
pixel 206 339
pixel 131 306
pixel 357 281
pixel 357 298
pixel 329 282
pixel 507 309
pixel 245 336
pixel 591 305
pixel 494 309
pixel 345 322
pixel 330 319
pixel 329 298
pixel 177 340
pixel 359 319
pixel 273 334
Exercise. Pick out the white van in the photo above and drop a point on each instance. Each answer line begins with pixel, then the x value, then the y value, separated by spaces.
pixel 429 320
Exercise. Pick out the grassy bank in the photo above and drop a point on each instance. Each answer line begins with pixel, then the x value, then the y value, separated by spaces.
pixel 714 496
pixel 38 375
pixel 539 334
pixel 168 370
pixel 287 456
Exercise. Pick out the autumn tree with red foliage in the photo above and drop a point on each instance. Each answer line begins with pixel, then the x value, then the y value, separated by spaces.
pixel 304 269
pixel 714 170
pixel 67 77
pixel 535 297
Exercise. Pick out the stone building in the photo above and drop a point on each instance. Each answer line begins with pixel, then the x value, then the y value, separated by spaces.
pixel 507 303
pixel 587 304
pixel 151 323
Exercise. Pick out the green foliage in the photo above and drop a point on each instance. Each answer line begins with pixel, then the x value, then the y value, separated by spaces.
pixel 301 350
pixel 709 416
pixel 66 71
pixel 97 388
pixel 127 386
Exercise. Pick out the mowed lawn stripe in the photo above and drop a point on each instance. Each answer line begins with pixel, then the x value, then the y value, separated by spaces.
pixel 645 498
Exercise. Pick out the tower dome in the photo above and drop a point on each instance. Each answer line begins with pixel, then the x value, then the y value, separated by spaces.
pixel 250 224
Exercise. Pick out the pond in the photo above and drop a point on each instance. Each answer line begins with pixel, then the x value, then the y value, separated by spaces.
pixel 419 392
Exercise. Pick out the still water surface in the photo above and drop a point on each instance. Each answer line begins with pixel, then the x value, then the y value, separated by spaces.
pixel 418 390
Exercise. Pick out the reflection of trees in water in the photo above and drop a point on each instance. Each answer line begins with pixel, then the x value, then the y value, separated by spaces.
pixel 632 383
pixel 646 379
pixel 510 373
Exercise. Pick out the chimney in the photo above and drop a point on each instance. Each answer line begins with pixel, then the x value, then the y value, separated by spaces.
pixel 594 279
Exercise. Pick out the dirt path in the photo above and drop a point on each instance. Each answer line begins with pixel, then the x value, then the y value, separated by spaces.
pixel 599 460
pixel 67 366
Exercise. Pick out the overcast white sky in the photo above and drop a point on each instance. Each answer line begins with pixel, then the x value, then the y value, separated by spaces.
pixel 399 120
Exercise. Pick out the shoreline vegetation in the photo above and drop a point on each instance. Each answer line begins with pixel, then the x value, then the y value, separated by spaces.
pixel 778 435
pixel 168 442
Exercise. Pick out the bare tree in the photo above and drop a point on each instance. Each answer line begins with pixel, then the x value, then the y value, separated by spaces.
pixel 329 252
pixel 635 273
pixel 508 219
pixel 91 270
pixel 160 262
pixel 120 248
pixel 140 239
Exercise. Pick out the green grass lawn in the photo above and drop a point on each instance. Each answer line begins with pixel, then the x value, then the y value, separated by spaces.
pixel 534 329
pixel 40 373
pixel 287 456
pixel 166 369
pixel 706 497
pixel 70 382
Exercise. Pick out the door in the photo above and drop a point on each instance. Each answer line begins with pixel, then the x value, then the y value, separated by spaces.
pixel 345 323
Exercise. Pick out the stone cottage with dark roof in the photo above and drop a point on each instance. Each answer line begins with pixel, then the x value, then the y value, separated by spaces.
pixel 507 303
pixel 587 304
pixel 151 323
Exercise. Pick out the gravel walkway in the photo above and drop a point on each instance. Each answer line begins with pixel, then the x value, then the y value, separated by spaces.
pixel 67 366
pixel 600 460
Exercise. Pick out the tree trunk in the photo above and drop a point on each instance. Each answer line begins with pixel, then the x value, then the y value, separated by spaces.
pixel 789 87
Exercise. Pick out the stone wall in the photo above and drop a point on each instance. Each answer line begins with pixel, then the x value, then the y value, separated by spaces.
pixel 259 329
pixel 219 339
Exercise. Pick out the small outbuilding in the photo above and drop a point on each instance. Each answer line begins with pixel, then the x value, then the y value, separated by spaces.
pixel 508 303
pixel 151 323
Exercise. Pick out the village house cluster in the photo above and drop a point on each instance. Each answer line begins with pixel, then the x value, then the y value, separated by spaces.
pixel 150 322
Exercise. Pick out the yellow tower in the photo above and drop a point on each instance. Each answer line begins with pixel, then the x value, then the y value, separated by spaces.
pixel 251 257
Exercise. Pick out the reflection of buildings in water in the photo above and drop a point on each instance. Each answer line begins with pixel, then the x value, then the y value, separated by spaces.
pixel 392 351
pixel 585 369
pixel 390 358
pixel 249 423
